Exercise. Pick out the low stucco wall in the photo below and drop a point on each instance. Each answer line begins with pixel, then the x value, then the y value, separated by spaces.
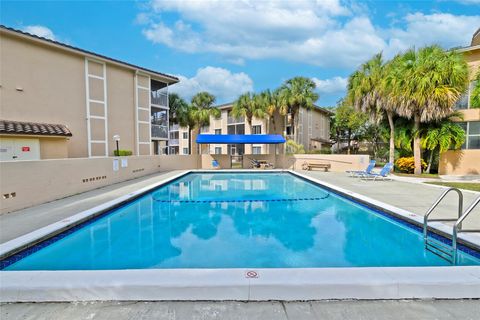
pixel 225 162
pixel 29 183
pixel 460 162
pixel 338 162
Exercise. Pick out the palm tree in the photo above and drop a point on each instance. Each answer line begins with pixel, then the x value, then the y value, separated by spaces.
pixel 440 137
pixel 368 92
pixel 177 106
pixel 200 111
pixel 425 84
pixel 475 95
pixel 296 93
pixel 248 105
pixel 270 102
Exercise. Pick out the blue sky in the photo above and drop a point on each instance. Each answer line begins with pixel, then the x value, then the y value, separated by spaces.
pixel 230 47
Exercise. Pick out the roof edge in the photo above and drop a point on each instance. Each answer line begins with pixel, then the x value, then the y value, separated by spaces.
pixel 172 79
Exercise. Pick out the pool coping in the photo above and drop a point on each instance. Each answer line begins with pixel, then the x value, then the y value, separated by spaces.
pixel 234 284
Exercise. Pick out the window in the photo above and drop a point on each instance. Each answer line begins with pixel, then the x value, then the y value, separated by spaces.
pixel 185 135
pixel 256 150
pixel 472 130
pixel 465 100
pixel 204 129
pixel 218 150
pixel 185 151
pixel 236 129
pixel 257 129
pixel 173 134
pixel 218 131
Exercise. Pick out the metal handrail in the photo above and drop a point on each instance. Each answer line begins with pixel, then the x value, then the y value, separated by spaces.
pixel 457 227
pixel 460 210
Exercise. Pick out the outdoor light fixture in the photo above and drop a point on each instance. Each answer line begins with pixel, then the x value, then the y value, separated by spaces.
pixel 116 138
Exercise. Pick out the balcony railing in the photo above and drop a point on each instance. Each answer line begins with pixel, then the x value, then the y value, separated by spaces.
pixel 159 131
pixel 173 142
pixel 174 127
pixel 159 98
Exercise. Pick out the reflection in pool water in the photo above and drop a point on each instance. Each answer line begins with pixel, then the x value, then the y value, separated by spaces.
pixel 237 220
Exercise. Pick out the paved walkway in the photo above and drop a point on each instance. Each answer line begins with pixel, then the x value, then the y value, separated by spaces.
pixel 409 195
pixel 324 310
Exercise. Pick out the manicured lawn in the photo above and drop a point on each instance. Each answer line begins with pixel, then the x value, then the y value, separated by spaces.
pixel 460 185
pixel 423 175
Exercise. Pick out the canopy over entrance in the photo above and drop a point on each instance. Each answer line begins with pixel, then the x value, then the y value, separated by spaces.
pixel 240 139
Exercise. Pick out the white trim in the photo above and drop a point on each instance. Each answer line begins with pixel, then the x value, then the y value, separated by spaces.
pixel 144 109
pixel 105 106
pixel 96 101
pixel 97 117
pixel 95 76
pixel 144 142
pixel 142 87
pixel 149 114
pixel 87 106
pixel 144 122
pixel 98 141
pixel 137 146
pixel 159 106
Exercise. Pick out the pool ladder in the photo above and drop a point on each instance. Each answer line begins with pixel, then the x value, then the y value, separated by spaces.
pixel 441 249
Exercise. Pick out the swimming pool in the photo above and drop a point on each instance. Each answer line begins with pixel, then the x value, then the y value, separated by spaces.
pixel 235 220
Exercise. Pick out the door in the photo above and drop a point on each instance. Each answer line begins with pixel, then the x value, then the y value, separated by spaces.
pixel 19 149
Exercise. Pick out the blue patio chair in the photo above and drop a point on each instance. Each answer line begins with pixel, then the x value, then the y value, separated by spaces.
pixel 357 173
pixel 383 175
pixel 215 164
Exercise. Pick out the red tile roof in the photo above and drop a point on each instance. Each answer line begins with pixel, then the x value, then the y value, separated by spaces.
pixel 34 128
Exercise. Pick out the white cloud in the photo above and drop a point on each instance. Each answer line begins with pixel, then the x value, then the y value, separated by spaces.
pixel 225 85
pixel 444 29
pixel 332 85
pixel 321 32
pixel 40 31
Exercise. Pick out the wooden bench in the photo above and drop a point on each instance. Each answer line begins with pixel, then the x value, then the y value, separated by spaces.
pixel 312 165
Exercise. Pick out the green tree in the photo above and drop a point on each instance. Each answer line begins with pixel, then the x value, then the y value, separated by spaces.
pixel 440 137
pixel 475 95
pixel 178 108
pixel 200 110
pixel 367 92
pixel 296 93
pixel 424 85
pixel 249 105
pixel 270 102
pixel 348 124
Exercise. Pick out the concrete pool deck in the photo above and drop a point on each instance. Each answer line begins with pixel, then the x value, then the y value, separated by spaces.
pixel 271 310
pixel 410 196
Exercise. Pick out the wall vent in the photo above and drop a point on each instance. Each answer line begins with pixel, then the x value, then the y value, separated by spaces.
pixel 94 179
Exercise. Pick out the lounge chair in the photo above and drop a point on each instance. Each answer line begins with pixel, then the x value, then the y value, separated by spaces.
pixel 215 164
pixel 254 163
pixel 383 175
pixel 368 170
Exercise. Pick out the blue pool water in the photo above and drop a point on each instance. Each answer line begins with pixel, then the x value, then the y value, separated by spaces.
pixel 237 220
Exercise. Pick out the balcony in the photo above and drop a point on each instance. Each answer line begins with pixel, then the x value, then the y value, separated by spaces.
pixel 159 131
pixel 159 98
pixel 173 142
pixel 174 127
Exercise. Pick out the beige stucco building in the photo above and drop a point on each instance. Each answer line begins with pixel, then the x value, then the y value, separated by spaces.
pixel 46 84
pixel 467 160
pixel 313 131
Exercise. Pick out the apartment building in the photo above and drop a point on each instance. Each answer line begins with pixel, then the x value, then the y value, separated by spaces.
pixel 59 101
pixel 313 131
pixel 467 160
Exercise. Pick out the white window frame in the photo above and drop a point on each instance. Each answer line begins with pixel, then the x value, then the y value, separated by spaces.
pixel 185 135
pixel 186 151
pixel 467 134
pixel 255 126
pixel 257 148
pixel 218 148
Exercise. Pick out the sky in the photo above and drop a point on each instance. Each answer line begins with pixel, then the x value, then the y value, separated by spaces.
pixel 231 47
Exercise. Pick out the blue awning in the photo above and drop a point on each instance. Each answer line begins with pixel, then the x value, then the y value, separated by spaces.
pixel 240 139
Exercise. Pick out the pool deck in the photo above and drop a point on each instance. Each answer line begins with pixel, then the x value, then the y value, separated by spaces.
pixel 315 310
pixel 409 195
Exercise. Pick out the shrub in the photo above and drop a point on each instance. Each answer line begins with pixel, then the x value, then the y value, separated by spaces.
pixel 122 153
pixel 294 148
pixel 407 164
